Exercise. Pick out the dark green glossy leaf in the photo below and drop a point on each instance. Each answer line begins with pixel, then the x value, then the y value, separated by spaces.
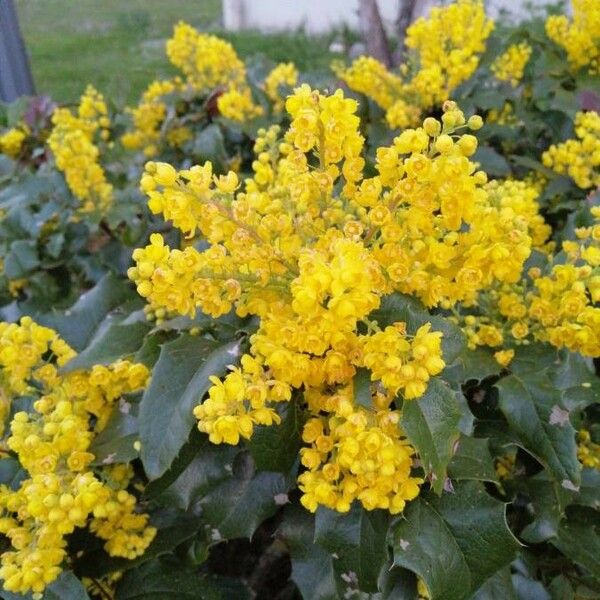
pixel 431 425
pixel 358 538
pixel 78 325
pixel 454 543
pixel 275 447
pixel 111 343
pixel 237 506
pixel 179 381
pixel 472 460
pixel 533 409
pixel 312 566
pixel 170 580
pixel 362 388
pixel 21 259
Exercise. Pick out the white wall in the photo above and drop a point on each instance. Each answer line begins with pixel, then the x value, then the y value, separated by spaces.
pixel 315 16
pixel 320 16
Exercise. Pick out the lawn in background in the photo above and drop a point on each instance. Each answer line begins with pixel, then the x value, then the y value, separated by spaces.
pixel 120 46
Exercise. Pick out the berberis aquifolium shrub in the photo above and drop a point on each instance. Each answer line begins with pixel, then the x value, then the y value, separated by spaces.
pixel 328 343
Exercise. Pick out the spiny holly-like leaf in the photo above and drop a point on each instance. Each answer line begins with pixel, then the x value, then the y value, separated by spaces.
pixel 164 579
pixel 312 566
pixel 497 587
pixel 115 443
pixel 530 406
pixel 578 538
pixel 78 324
pixel 237 506
pixel 431 424
pixel 472 460
pixel 472 365
pixel 454 543
pixel 115 340
pixel 179 381
pixel 211 466
pixel 275 447
pixel 358 538
pixel 362 388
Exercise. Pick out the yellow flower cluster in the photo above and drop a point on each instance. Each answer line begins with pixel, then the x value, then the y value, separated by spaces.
pixel 445 50
pixel 11 141
pixel 588 452
pixel 447 45
pixel 207 61
pixel 559 308
pixel 52 442
pixel 148 117
pixel 522 198
pixel 579 158
pixel 283 77
pixel 510 65
pixel 76 153
pixel 356 454
pixel 209 65
pixel 581 37
pixel 310 245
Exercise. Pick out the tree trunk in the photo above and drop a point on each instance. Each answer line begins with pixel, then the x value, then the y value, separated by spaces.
pixel 373 33
pixel 406 16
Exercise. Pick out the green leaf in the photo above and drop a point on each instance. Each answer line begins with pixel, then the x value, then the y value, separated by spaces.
pixel 472 460
pixel 534 410
pixel 275 447
pixel 179 381
pixel 528 589
pixel 358 538
pixel 399 307
pixel 472 365
pixel 362 388
pixel 78 324
pixel 497 587
pixel 312 566
pixel 21 259
pixel 210 145
pixel 546 511
pixel 115 341
pixel 114 444
pixel 237 506
pixel 454 543
pixel 491 161
pixel 170 580
pixel 211 466
pixel 579 539
pixel 431 425
pixel 173 529
pixel 424 544
pixel 589 491
pixel 12 473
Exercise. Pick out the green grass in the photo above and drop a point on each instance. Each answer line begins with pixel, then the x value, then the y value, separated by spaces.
pixel 119 46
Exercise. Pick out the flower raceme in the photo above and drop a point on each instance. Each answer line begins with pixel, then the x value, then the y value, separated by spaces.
pixel 557 304
pixel 310 245
pixel 73 142
pixel 62 490
pixel 579 158
pixel 444 51
pixel 510 65
pixel 580 38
